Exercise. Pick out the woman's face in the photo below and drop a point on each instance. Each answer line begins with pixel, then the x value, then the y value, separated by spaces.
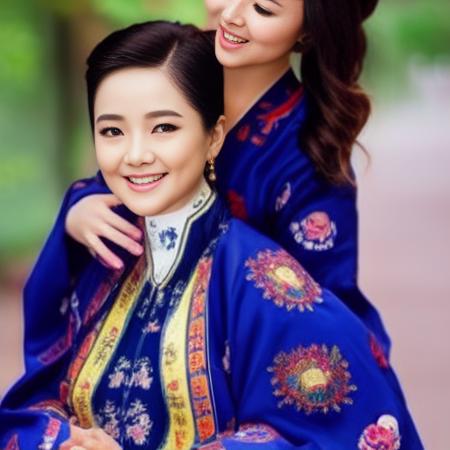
pixel 257 32
pixel 151 145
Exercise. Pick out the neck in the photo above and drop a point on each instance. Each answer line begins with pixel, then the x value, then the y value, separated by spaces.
pixel 243 86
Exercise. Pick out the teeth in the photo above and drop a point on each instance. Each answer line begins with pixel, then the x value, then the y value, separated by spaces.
pixel 232 38
pixel 145 180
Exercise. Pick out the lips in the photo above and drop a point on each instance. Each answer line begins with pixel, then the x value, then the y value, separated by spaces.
pixel 230 40
pixel 144 183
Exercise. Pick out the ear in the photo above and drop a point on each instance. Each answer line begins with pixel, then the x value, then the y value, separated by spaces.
pixel 216 138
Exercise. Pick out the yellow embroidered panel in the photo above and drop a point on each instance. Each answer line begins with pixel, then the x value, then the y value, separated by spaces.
pixel 184 368
pixel 181 433
pixel 105 345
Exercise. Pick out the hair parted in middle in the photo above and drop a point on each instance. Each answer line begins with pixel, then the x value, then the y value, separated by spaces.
pixel 186 52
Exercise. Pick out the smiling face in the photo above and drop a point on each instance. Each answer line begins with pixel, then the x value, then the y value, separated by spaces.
pixel 151 144
pixel 258 32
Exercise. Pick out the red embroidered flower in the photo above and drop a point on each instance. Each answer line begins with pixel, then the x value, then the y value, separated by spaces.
pixel 237 205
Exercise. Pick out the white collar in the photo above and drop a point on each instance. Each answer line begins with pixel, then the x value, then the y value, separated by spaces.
pixel 164 232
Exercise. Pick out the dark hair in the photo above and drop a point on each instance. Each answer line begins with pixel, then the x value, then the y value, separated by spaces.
pixel 186 52
pixel 332 60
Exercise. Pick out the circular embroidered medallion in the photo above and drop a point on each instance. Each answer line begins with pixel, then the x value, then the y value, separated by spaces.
pixel 255 433
pixel 283 280
pixel 315 232
pixel 384 435
pixel 313 379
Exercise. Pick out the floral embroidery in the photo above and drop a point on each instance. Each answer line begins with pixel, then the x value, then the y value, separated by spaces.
pixel 384 435
pixel 168 238
pixel 271 119
pixel 140 424
pixel 125 375
pixel 313 379
pixel 51 434
pixel 136 420
pixel 107 418
pixel 257 433
pixel 284 197
pixel 237 205
pixel 315 232
pixel 283 280
pixel 378 352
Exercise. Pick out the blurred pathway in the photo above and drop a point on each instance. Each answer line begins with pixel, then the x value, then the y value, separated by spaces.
pixel 404 202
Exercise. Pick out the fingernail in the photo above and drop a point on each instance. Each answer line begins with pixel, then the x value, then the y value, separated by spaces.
pixel 137 249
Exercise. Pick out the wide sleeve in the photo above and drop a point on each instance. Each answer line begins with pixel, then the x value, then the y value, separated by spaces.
pixel 34 413
pixel 298 360
pixel 60 261
pixel 317 223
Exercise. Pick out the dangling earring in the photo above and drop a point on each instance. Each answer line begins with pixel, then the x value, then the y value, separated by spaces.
pixel 211 170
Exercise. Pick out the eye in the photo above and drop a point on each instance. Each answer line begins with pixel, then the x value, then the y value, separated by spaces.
pixel 164 128
pixel 262 11
pixel 111 132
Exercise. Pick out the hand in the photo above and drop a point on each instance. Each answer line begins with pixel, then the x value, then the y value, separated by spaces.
pixel 92 218
pixel 90 439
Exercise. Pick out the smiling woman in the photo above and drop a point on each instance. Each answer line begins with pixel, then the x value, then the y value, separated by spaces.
pixel 214 337
pixel 145 147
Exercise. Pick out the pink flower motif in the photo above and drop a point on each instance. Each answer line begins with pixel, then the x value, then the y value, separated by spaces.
pixel 317 226
pixel 383 435
pixel 116 379
pixel 137 434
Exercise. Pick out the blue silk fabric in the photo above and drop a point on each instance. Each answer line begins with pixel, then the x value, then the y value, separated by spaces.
pixel 269 181
pixel 237 348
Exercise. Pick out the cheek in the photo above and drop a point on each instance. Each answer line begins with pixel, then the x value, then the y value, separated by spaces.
pixel 107 159
pixel 279 33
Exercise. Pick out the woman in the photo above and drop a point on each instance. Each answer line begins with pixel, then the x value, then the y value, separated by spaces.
pixel 285 165
pixel 214 337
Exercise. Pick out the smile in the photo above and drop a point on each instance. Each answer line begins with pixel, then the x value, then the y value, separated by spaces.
pixel 145 179
pixel 229 40
pixel 233 39
pixel 144 183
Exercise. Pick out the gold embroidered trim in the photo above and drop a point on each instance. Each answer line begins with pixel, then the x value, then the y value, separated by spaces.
pixel 104 346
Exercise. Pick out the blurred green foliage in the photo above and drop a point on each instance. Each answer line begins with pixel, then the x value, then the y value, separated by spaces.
pixel 44 140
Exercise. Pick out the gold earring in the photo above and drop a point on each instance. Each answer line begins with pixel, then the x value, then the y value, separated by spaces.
pixel 211 170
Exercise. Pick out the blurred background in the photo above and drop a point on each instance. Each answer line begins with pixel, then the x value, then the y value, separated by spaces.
pixel 404 192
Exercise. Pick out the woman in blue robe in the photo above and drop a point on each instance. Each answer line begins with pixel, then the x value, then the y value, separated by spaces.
pixel 284 168
pixel 213 338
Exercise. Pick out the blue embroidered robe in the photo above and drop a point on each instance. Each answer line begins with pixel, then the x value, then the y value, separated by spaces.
pixel 237 347
pixel 270 182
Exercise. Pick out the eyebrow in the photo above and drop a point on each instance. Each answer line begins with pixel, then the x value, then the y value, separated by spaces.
pixel 149 115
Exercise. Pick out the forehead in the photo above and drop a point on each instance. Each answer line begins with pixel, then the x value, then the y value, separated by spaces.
pixel 138 87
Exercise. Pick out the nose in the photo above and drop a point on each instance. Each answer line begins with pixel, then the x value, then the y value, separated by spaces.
pixel 139 153
pixel 232 14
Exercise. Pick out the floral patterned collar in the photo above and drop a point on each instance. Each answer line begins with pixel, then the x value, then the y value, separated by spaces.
pixel 165 231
